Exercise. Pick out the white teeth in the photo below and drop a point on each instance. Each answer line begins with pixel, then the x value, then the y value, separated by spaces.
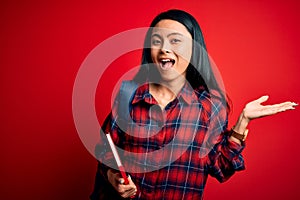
pixel 167 63
pixel 165 60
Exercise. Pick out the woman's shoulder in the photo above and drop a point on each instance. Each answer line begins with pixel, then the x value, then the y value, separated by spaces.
pixel 210 99
pixel 209 94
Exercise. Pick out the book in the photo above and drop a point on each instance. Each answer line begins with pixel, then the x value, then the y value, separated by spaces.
pixel 117 158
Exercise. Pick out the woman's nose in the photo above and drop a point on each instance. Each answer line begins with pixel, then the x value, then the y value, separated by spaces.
pixel 166 47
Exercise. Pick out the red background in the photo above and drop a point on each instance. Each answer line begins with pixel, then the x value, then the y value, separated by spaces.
pixel 42 45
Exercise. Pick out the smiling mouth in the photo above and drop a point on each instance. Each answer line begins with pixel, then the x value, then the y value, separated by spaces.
pixel 167 63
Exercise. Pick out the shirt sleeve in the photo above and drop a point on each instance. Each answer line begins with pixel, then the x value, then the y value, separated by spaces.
pixel 103 151
pixel 225 158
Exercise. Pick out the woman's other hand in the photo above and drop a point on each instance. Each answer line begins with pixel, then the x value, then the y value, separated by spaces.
pixel 117 181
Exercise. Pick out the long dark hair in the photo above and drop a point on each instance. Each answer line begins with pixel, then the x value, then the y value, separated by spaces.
pixel 199 73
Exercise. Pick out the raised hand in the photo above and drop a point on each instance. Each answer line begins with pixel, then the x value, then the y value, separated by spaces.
pixel 255 109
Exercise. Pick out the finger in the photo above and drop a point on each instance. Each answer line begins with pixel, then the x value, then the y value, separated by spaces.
pixel 132 193
pixel 262 99
pixel 131 184
pixel 133 190
pixel 121 188
pixel 128 192
pixel 130 180
pixel 125 190
pixel 285 106
pixel 122 181
pixel 128 187
pixel 273 109
pixel 128 195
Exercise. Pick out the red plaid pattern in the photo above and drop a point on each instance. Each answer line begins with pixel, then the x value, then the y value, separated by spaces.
pixel 202 147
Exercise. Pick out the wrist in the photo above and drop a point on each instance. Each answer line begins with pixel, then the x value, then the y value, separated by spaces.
pixel 239 136
pixel 239 131
pixel 244 117
pixel 242 123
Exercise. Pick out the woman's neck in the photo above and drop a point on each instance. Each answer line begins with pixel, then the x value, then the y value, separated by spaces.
pixel 166 91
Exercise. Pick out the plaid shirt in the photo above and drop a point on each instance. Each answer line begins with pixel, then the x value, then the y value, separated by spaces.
pixel 190 136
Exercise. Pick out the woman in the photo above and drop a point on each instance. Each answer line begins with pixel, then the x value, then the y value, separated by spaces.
pixel 176 96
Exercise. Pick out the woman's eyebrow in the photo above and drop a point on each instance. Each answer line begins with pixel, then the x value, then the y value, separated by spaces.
pixel 156 35
pixel 175 33
pixel 170 34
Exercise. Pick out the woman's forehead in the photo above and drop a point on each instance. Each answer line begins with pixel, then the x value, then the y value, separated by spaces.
pixel 168 26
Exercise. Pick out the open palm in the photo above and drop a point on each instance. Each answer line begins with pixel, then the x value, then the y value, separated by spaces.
pixel 255 109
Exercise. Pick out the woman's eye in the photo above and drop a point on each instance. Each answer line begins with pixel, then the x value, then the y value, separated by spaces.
pixel 175 41
pixel 156 42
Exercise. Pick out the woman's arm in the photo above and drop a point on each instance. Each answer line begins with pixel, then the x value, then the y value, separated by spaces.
pixel 254 110
pixel 225 158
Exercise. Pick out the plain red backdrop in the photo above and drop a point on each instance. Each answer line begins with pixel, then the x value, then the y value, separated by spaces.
pixel 42 45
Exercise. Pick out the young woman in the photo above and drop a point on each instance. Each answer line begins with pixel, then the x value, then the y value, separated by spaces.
pixel 176 96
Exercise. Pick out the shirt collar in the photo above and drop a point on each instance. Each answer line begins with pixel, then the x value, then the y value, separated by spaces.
pixel 142 93
pixel 187 94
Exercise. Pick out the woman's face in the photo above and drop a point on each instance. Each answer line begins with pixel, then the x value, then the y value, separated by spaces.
pixel 171 49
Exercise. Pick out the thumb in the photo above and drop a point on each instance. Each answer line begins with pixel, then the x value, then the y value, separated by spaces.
pixel 263 99
pixel 121 180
